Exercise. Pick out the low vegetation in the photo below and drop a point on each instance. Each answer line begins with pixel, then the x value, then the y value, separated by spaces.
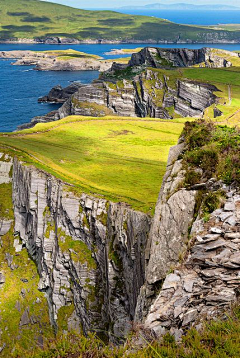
pixel 33 18
pixel 213 151
pixel 121 159
pixel 218 339
pixel 20 295
pixel 70 54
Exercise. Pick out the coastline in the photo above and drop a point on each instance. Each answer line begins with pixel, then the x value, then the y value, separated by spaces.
pixel 72 41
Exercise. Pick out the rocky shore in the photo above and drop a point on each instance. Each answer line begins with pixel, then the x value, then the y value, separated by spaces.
pixel 57 60
pixel 68 41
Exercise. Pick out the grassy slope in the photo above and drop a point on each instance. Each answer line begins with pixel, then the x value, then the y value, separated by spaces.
pixel 218 339
pixel 32 18
pixel 228 82
pixel 15 290
pixel 70 54
pixel 122 159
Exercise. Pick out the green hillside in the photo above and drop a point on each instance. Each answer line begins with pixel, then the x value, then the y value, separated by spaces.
pixel 121 159
pixel 32 18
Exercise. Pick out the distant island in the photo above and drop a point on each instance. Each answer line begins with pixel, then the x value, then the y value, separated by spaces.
pixel 181 6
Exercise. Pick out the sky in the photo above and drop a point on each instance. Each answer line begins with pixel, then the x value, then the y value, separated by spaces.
pixel 83 4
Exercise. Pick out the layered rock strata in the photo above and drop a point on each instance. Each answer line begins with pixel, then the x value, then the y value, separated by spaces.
pixel 136 98
pixel 89 252
pixel 167 58
pixel 110 264
pixel 208 282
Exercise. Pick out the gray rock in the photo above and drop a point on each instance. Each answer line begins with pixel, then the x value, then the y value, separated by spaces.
pixel 229 206
pixel 2 278
pixel 189 317
pixel 171 281
pixel 214 244
pixel 216 230
pixel 25 319
pixel 108 287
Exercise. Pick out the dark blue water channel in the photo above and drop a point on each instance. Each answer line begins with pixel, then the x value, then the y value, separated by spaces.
pixel 21 86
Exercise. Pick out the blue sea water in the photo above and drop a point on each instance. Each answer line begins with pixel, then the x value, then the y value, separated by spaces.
pixel 21 86
pixel 191 17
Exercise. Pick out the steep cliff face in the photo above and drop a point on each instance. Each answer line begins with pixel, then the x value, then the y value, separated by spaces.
pixel 102 265
pixel 138 91
pixel 89 252
pixel 167 58
pixel 192 260
pixel 148 94
pixel 139 98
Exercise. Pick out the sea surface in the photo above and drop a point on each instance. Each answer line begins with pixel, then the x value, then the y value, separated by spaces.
pixel 21 86
pixel 191 17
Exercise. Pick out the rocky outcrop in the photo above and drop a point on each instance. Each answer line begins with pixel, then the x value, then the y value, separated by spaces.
pixel 136 98
pixel 89 252
pixel 168 58
pixel 44 61
pixel 208 282
pixel 147 93
pixel 193 98
pixel 174 214
pixel 60 95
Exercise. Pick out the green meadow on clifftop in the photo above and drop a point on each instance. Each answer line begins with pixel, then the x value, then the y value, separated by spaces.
pixel 32 18
pixel 122 159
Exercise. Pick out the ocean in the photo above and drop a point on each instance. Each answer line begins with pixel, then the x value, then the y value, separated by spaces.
pixel 191 17
pixel 20 87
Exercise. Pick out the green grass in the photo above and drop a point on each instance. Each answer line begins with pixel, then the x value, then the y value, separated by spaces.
pixel 218 339
pixel 119 158
pixel 70 54
pixel 6 210
pixel 32 18
pixel 26 293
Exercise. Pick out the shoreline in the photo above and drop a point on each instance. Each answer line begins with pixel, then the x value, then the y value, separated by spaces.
pixel 68 41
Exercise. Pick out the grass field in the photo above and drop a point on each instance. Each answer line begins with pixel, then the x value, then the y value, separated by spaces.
pixel 32 18
pixel 121 159
pixel 70 54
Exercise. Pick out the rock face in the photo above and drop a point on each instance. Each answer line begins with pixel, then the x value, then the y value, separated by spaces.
pixel 135 98
pixel 168 58
pixel 208 282
pixel 147 93
pixel 89 252
pixel 60 95
pixel 109 265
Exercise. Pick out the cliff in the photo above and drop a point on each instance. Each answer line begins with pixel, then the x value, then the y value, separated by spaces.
pixel 151 84
pixel 102 265
pixel 147 94
pixel 89 252
pixel 162 58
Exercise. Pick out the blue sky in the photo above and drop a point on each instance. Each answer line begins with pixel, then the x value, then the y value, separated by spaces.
pixel 118 3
